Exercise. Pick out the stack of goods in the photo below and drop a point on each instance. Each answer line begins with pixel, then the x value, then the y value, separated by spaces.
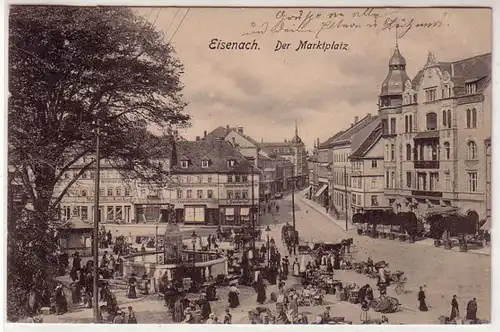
pixel 385 304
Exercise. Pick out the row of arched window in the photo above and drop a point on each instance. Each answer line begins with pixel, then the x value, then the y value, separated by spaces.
pixel 471 151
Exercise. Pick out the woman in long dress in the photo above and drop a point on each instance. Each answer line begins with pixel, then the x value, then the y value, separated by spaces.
pixel 472 310
pixel 233 297
pixel 454 308
pixel 421 299
pixel 296 267
pixel 261 290
pixel 132 293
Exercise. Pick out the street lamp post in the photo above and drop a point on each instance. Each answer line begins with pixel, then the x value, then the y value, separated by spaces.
pixel 156 243
pixel 293 211
pixel 194 236
pixel 97 215
pixel 268 231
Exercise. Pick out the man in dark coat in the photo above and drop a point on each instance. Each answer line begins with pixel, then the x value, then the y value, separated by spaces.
pixel 421 299
pixel 205 307
pixel 472 310
pixel 454 308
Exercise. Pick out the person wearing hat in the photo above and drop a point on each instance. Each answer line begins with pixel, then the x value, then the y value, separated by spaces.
pixel 205 307
pixel 455 312
pixel 227 317
pixel 211 319
pixel 132 319
pixel 233 297
pixel 364 317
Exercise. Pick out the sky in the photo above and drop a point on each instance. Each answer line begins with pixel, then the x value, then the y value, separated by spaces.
pixel 266 91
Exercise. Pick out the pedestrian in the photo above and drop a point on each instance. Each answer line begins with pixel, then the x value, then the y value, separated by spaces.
pixel 261 290
pixel 364 316
pixel 454 308
pixel 233 297
pixel 211 319
pixel 131 291
pixel 205 307
pixel 132 319
pixel 296 268
pixel 421 299
pixel 228 317
pixel 209 241
pixel 472 310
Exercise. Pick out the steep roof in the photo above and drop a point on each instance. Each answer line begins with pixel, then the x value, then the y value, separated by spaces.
pixel 474 69
pixel 325 144
pixel 347 136
pixel 368 142
pixel 218 151
pixel 222 132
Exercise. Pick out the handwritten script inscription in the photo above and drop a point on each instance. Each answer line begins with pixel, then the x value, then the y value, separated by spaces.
pixel 315 22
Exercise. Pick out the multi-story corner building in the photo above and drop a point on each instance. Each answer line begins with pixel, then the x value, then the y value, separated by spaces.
pixel 121 199
pixel 295 151
pixel 216 184
pixel 435 131
pixel 367 174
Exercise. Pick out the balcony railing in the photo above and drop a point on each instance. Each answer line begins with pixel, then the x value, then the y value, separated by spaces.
pixel 427 164
pixel 426 193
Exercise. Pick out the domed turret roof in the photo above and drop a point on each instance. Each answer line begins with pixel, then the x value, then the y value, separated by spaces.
pixel 394 82
pixel 296 139
pixel 397 59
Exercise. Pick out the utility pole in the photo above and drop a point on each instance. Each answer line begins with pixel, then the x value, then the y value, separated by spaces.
pixel 97 217
pixel 345 198
pixel 252 212
pixel 293 212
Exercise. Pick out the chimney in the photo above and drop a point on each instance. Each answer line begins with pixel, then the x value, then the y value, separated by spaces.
pixel 356 119
pixel 227 127
pixel 240 130
pixel 205 133
pixel 317 140
pixel 369 115
pixel 197 138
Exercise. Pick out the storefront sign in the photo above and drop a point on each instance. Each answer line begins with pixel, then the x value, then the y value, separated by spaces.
pixel 236 201
pixel 111 199
pixel 195 201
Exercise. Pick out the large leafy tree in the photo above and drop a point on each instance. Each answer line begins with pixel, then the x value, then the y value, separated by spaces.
pixel 71 68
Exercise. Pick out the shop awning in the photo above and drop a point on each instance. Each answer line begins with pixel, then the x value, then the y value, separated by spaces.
pixel 229 212
pixel 321 190
pixel 307 189
pixel 244 211
pixel 487 225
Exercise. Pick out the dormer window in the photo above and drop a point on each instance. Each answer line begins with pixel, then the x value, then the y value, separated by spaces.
pixel 470 88
pixel 184 164
pixel 231 162
pixel 205 162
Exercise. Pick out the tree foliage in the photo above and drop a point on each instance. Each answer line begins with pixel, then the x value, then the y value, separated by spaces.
pixel 69 69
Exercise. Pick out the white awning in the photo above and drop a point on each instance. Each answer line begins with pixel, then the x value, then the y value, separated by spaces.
pixel 487 225
pixel 319 192
pixel 229 211
pixel 244 211
pixel 307 189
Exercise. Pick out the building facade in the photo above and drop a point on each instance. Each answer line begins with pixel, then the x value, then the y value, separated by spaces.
pixel 367 175
pixel 121 200
pixel 216 184
pixel 294 151
pixel 435 130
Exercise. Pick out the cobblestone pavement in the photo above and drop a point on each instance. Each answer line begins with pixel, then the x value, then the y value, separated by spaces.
pixel 442 273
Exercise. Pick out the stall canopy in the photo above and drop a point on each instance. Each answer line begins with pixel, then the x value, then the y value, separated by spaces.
pixel 307 189
pixel 487 225
pixel 322 189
